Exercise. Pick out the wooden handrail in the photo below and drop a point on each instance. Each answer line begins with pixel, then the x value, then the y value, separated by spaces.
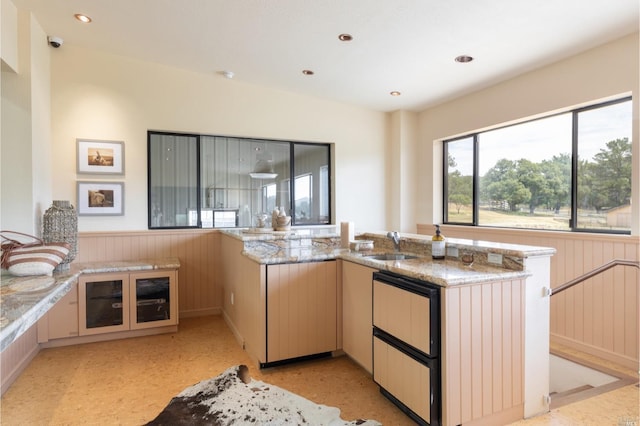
pixel 594 272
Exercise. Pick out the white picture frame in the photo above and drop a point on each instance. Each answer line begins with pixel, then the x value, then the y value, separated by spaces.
pixel 100 198
pixel 100 157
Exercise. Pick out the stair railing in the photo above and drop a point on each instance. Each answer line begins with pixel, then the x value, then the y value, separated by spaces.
pixel 594 272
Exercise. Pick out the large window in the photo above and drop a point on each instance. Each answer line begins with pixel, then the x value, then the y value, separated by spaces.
pixel 202 181
pixel 569 171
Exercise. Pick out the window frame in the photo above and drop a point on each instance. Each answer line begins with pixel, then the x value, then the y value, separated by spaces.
pixel 573 217
pixel 289 182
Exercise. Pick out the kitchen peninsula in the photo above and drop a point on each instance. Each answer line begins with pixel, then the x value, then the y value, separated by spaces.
pixel 296 295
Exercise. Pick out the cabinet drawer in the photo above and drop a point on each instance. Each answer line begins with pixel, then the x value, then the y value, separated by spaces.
pixel 409 383
pixel 409 316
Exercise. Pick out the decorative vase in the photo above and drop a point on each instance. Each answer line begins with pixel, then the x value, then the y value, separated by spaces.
pixel 60 225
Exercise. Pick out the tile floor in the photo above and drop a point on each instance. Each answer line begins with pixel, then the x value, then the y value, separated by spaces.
pixel 128 382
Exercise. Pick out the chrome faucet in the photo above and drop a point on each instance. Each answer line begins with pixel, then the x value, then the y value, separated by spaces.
pixel 395 238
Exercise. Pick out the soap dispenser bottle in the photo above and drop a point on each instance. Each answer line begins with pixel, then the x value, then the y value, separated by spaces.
pixel 437 245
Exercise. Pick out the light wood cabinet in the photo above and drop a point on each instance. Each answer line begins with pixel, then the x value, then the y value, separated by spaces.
pixel 279 312
pixel 357 313
pixel 244 293
pixel 406 348
pixel 62 319
pixel 463 376
pixel 301 309
pixel 127 301
pixel 106 306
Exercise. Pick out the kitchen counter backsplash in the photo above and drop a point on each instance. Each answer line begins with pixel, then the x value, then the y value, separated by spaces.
pixel 289 248
pixel 513 255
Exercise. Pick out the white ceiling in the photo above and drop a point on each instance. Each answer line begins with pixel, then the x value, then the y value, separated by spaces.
pixel 403 45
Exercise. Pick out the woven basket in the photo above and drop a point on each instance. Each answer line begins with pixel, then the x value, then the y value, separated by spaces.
pixel 60 224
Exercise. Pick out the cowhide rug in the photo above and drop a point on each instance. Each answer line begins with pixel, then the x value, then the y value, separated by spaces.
pixel 234 398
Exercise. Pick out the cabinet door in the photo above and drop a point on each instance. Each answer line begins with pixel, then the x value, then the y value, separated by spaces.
pixel 63 316
pixel 301 309
pixel 103 301
pixel 357 313
pixel 153 298
pixel 62 319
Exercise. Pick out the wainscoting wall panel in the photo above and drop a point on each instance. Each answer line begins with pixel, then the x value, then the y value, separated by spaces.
pixel 599 316
pixel 483 358
pixel 15 358
pixel 198 250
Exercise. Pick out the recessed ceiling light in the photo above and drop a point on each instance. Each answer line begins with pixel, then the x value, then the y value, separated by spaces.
pixel 82 18
pixel 395 93
pixel 464 59
pixel 307 72
pixel 345 37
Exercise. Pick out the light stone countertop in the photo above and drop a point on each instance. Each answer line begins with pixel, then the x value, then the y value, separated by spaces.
pixel 445 273
pixel 24 300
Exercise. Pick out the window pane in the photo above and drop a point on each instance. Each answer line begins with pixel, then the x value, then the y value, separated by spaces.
pixel 173 180
pixel 303 194
pixel 311 164
pixel 269 197
pixel 324 194
pixel 459 176
pixel 240 181
pixel 525 175
pixel 235 175
pixel 604 168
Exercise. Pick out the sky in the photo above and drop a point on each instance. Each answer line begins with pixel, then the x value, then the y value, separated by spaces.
pixel 542 139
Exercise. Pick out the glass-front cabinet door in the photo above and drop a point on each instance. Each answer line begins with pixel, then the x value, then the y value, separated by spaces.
pixel 127 301
pixel 104 303
pixel 153 299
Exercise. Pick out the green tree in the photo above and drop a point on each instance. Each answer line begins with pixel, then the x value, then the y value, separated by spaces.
pixel 531 176
pixel 612 174
pixel 460 189
pixel 501 183
pixel 557 173
pixel 585 184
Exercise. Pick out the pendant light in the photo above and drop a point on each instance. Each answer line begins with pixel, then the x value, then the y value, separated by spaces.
pixel 264 167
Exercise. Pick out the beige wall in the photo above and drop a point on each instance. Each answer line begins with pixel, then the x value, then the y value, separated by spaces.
pixel 26 166
pixel 403 164
pixel 101 96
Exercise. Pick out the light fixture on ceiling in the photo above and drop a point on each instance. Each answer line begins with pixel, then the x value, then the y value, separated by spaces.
pixel 463 59
pixel 228 74
pixel 264 166
pixel 307 72
pixel 82 18
pixel 395 93
pixel 345 37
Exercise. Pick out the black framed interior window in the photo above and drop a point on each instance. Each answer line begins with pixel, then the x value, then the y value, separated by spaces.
pixel 207 181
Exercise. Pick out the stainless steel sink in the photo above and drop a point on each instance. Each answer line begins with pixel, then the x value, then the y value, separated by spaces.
pixel 390 256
